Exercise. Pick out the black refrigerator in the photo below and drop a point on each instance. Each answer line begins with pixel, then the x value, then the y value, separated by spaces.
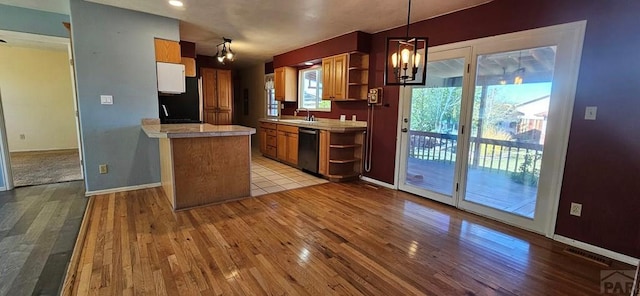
pixel 181 108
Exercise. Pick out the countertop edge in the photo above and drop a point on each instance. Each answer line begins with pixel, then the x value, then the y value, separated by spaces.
pixel 320 127
pixel 187 134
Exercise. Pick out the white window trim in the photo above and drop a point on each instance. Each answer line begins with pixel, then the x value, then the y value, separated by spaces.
pixel 267 88
pixel 300 85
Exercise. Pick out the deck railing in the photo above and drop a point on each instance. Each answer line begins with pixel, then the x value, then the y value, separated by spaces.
pixel 487 154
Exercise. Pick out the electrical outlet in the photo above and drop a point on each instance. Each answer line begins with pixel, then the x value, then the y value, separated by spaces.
pixel 103 168
pixel 576 209
pixel 22 137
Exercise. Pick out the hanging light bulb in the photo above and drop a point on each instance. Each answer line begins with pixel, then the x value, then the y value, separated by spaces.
pixel 405 57
pixel 230 55
pixel 394 60
pixel 518 79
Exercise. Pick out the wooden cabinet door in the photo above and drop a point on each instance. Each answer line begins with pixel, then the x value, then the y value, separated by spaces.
pixel 278 80
pixel 210 116
pixel 323 158
pixel 225 96
pixel 167 51
pixel 189 66
pixel 223 117
pixel 263 140
pixel 340 69
pixel 209 88
pixel 292 148
pixel 327 78
pixel 282 146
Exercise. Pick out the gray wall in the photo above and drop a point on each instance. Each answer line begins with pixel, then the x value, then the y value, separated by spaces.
pixel 32 21
pixel 114 54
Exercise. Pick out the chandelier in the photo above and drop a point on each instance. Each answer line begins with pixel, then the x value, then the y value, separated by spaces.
pixel 406 58
pixel 226 54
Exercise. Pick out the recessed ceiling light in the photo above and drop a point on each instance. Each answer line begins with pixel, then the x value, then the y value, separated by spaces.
pixel 176 3
pixel 309 63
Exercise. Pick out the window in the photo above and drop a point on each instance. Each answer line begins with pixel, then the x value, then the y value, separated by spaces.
pixel 310 96
pixel 272 104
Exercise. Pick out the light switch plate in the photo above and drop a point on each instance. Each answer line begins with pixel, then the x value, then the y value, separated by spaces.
pixel 106 100
pixel 590 113
pixel 576 209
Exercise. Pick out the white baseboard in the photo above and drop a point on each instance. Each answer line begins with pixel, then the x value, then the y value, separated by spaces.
pixel 596 250
pixel 122 189
pixel 379 183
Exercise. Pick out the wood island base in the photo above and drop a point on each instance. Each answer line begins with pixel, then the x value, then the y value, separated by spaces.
pixel 202 164
pixel 207 170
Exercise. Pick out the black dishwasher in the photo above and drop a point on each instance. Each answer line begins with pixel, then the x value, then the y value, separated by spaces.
pixel 308 149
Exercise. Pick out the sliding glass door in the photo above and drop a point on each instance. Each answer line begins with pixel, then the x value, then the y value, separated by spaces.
pixel 488 132
pixel 432 124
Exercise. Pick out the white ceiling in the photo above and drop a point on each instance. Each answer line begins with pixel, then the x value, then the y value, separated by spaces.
pixel 262 29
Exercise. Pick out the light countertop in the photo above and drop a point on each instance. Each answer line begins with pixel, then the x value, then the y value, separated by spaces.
pixel 195 130
pixel 332 125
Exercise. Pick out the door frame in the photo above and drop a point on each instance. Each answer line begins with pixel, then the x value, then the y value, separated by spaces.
pixel 5 159
pixel 572 36
pixel 4 152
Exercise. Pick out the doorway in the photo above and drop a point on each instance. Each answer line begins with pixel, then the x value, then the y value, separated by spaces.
pixel 488 132
pixel 40 131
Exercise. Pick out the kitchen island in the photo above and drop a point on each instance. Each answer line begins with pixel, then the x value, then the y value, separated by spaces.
pixel 203 164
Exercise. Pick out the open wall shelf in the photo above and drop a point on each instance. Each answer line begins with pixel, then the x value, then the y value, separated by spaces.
pixel 341 155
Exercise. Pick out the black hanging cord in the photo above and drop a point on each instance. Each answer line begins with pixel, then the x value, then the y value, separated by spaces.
pixel 408 18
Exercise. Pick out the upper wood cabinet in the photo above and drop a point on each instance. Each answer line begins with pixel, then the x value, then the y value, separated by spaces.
pixel 286 86
pixel 167 51
pixel 189 66
pixel 217 96
pixel 334 82
pixel 345 77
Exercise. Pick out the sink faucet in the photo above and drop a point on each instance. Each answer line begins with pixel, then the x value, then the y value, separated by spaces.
pixel 308 118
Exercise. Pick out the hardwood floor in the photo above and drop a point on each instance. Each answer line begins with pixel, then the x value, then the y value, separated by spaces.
pixel 327 239
pixel 38 228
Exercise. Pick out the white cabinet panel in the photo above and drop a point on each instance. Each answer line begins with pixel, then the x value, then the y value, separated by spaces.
pixel 171 78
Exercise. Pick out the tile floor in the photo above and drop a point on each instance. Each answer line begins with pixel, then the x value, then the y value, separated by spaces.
pixel 268 176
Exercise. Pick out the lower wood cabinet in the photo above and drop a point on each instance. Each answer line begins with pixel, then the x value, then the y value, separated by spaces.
pixel 268 139
pixel 288 144
pixel 340 153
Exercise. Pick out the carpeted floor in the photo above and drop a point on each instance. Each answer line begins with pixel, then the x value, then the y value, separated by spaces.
pixel 45 167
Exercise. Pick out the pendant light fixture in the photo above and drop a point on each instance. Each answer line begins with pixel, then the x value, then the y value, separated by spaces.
pixel 226 54
pixel 406 59
pixel 503 78
pixel 518 73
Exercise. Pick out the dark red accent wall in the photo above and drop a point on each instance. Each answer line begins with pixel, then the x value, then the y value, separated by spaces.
pixel 354 41
pixel 268 67
pixel 602 168
pixel 187 49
